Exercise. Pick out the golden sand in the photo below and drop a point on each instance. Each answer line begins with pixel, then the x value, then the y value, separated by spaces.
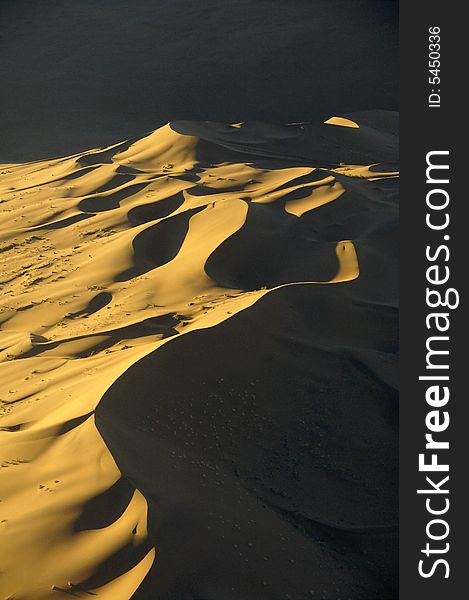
pixel 342 122
pixel 82 299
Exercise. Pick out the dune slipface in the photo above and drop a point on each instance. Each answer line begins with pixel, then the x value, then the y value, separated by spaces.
pixel 226 294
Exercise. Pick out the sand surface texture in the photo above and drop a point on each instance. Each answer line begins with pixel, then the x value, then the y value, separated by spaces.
pixel 226 294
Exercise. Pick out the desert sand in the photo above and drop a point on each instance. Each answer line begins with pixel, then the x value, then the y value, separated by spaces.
pixel 198 365
pixel 81 74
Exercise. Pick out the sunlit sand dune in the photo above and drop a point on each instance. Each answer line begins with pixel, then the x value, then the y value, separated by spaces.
pixel 114 256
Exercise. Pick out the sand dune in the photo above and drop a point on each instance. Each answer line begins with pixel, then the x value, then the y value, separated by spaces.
pixel 80 75
pixel 276 241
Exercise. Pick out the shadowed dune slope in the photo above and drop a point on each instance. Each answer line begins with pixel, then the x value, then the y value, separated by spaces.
pixel 198 355
pixel 80 74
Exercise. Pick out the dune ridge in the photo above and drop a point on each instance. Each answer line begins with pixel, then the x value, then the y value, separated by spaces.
pixel 108 255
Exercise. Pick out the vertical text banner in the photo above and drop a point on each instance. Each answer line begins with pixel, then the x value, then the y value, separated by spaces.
pixel 434 261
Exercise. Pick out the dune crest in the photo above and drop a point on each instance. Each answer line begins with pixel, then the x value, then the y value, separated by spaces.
pixel 110 254
pixel 341 122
